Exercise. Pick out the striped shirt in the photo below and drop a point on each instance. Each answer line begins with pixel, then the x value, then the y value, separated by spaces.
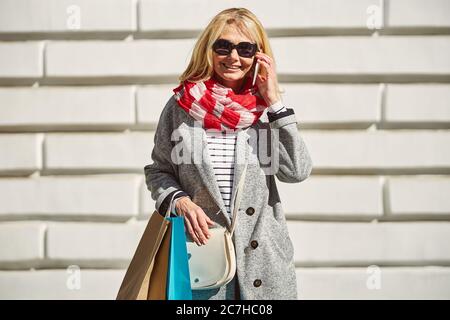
pixel 221 150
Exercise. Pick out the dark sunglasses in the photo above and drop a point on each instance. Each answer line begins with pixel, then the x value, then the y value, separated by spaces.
pixel 244 49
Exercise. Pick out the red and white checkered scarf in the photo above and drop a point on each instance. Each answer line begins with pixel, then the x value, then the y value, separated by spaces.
pixel 218 107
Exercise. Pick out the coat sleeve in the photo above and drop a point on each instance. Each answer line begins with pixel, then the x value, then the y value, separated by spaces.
pixel 161 176
pixel 295 164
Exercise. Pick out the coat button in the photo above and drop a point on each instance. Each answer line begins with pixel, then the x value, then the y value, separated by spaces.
pixel 254 244
pixel 250 211
pixel 257 283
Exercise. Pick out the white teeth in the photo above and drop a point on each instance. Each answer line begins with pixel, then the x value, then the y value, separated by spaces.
pixel 231 67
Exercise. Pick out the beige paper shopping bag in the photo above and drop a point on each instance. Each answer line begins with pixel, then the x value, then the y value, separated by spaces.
pixel 145 278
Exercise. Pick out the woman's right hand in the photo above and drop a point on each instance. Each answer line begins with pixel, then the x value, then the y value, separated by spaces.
pixel 196 220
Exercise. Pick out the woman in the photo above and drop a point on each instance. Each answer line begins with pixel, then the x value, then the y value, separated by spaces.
pixel 215 123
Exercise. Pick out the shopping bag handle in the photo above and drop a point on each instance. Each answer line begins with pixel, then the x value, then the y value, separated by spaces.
pixel 169 208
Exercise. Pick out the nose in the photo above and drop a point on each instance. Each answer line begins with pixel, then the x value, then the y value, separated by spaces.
pixel 234 54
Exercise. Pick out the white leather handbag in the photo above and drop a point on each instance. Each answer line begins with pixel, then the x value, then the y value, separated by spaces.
pixel 214 264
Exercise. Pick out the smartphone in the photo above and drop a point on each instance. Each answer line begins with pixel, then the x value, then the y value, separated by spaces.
pixel 255 73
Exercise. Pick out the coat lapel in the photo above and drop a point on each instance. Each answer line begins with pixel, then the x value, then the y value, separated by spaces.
pixel 241 157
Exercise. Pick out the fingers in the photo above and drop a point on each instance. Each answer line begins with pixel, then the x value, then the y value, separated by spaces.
pixel 260 80
pixel 266 58
pixel 199 226
pixel 209 221
pixel 267 67
pixel 267 62
pixel 190 222
pixel 204 229
pixel 196 221
pixel 197 230
pixel 191 231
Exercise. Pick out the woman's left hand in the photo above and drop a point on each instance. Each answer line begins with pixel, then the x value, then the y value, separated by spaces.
pixel 267 81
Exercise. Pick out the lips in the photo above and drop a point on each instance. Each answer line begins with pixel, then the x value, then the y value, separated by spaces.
pixel 231 67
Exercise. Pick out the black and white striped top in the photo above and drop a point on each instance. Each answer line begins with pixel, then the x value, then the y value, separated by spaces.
pixel 221 150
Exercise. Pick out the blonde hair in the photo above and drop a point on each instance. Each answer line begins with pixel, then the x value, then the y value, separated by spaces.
pixel 200 67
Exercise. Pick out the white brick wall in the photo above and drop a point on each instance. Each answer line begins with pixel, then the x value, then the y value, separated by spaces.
pixel 411 13
pixel 81 92
pixel 378 151
pixel 21 60
pixel 71 197
pixel 51 15
pixel 22 244
pixel 97 151
pixel 106 245
pixel 66 108
pixel 379 243
pixel 139 58
pixel 374 57
pixel 21 153
pixel 356 283
pixel 405 103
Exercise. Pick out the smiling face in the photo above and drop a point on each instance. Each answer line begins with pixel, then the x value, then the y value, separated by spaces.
pixel 230 70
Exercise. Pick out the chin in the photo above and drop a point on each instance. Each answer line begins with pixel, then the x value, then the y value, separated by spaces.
pixel 229 76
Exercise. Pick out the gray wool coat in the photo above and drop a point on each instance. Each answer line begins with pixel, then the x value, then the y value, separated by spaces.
pixel 264 250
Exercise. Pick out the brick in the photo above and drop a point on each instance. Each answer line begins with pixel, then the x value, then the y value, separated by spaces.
pixel 22 244
pixel 418 13
pixel 333 103
pixel 304 14
pixel 359 197
pixel 21 153
pixel 419 195
pixel 400 283
pixel 359 55
pixel 67 197
pixel 107 152
pixel 417 103
pixel 378 150
pixel 363 244
pixel 151 101
pixel 93 244
pixel 67 107
pixel 61 284
pixel 28 16
pixel 21 59
pixel 138 58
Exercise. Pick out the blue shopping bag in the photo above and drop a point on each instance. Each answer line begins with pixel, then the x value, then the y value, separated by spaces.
pixel 178 279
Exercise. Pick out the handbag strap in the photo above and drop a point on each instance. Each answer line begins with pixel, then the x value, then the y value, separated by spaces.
pixel 237 202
